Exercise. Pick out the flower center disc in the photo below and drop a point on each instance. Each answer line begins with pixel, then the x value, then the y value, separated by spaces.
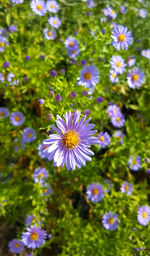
pixel 1 113
pixel 71 44
pixel 118 64
pixel 17 118
pixel 126 187
pixel 2 44
pixel 71 139
pixel 118 119
pixel 113 75
pixel 16 245
pixel 87 75
pixel 41 175
pixel 134 162
pixel 55 22
pixel 135 77
pixel 29 135
pixel 121 38
pixel 49 33
pixel 52 6
pixel 144 215
pixel 95 191
pixel 34 236
pixel 39 7
pixel 111 221
pixel 102 138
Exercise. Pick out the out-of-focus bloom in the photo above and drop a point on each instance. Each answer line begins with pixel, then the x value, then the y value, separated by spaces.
pixel 99 99
pixel 123 9
pixel 113 110
pixel 134 163
pixel 73 53
pixel 84 92
pixel 122 38
pixel 16 246
pixel 41 150
pixel 34 237
pixel 3 43
pixel 17 1
pixel 119 135
pixel 87 112
pixel 30 220
pixel 47 190
pixel 38 7
pixel 4 112
pixel 110 221
pixel 143 215
pixel 17 118
pixel 95 192
pixel 12 28
pixel 118 120
pixel 71 144
pixel 131 61
pixel 53 73
pixel 3 32
pixel 126 188
pixel 103 139
pixel 28 135
pixel 49 34
pixel 71 43
pixel 54 22
pixel 83 62
pixel 135 78
pixel 6 64
pixel 73 95
pixel 89 77
pixel 1 78
pixel 143 13
pixel 41 101
pixel 40 174
pixel 110 13
pixel 27 57
pixel 90 3
pixel 146 53
pixel 113 76
pixel 52 6
pixel 58 98
pixel 117 64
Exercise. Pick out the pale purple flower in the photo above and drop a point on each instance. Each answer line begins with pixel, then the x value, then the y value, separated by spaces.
pixel 90 3
pixel 113 110
pixel 143 215
pixel 12 28
pixel 17 118
pixel 34 237
pixel 4 112
pixel 103 139
pixel 17 1
pixel 40 174
pixel 118 120
pixel 119 135
pixel 49 34
pixel 131 61
pixel 135 78
pixel 122 38
pixel 38 7
pixel 28 135
pixel 52 6
pixel 73 53
pixel 113 76
pixel 127 188
pixel 71 43
pixel 3 43
pixel 123 9
pixel 58 98
pixel 95 192
pixel 1 78
pixel 110 221
pixel 3 32
pixel 134 163
pixel 16 246
pixel 54 22
pixel 146 53
pixel 117 64
pixel 30 219
pixel 143 13
pixel 41 151
pixel 47 190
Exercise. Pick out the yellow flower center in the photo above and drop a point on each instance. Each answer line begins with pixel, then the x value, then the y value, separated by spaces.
pixel 44 190
pixel 71 44
pixel 111 221
pixel 87 76
pixel 52 6
pixel 71 139
pixel 95 191
pixel 39 7
pixel 29 135
pixel 118 119
pixel 34 236
pixel 55 22
pixel 16 245
pixel 102 138
pixel 126 187
pixel 144 215
pixel 112 11
pixel 41 175
pixel 118 137
pixel 113 75
pixel 134 162
pixel 3 33
pixel 73 51
pixel 135 77
pixel 118 64
pixel 121 38
pixel 1 113
pixel 17 118
pixel 49 33
pixel 2 44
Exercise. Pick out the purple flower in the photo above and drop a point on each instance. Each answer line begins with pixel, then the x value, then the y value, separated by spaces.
pixel 62 71
pixel 71 43
pixel 1 78
pixel 53 73
pixel 12 28
pixel 38 7
pixel 117 64
pixel 110 13
pixel 83 62
pixel 42 56
pixel 118 134
pixel 41 101
pixel 71 144
pixel 52 6
pixel 131 61
pixel 118 120
pixel 4 112
pixel 54 22
pixel 17 118
pixel 47 190
pixel 88 13
pixel 148 171
pixel 89 77
pixel 34 237
pixel 146 160
pixel 17 1
pixel 30 220
pixel 99 99
pixel 135 78
pixel 73 54
pixel 6 64
pixel 143 215
pixel 3 32
pixel 87 112
pixel 123 9
pixel 113 110
pixel 126 188
pixel 103 139
pixel 146 53
pixel 27 57
pixel 41 150
pixel 84 92
pixel 95 192
pixel 143 13
pixel 40 174
pixel 113 76
pixel 134 163
pixel 58 98
pixel 28 135
pixel 103 31
pixel 110 221
pixel 49 34
pixel 90 3
pixel 15 246
pixel 122 38
pixel 73 95
pixel 3 43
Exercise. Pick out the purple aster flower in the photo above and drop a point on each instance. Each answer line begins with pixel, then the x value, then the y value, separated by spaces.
pixel 73 53
pixel 28 135
pixel 83 62
pixel 146 53
pixel 53 73
pixel 113 76
pixel 111 13
pixel 31 219
pixel 123 9
pixel 12 28
pixel 103 139
pixel 89 77
pixel 118 120
pixel 3 32
pixel 113 110
pixel 117 64
pixel 62 71
pixel 49 236
pixel 3 43
pixel 90 3
pixel 134 163
pixel 143 13
pixel 71 145
pixel 54 22
pixel 41 150
pixel 49 34
pixel 119 135
pixel 99 99
pixel 146 160
pixel 87 112
pixel 41 101
pixel 122 38
pixel 110 221
pixel 17 1
pixel 40 174
pixel 85 92
pixel 135 78
pixel 17 118
pixel 1 78
pixel 6 64
pixel 73 95
pixel 4 112
pixel 52 6
pixel 143 215
pixel 71 43
pixel 47 190
pixel 16 246
pixel 34 237
pixel 58 98
pixel 126 188
pixel 95 192
pixel 38 7
pixel 131 61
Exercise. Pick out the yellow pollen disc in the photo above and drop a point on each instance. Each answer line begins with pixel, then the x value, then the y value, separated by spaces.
pixel 55 22
pixel 41 175
pixel 126 187
pixel 112 11
pixel 118 137
pixel 71 44
pixel 111 221
pixel 144 215
pixel 1 113
pixel 73 51
pixel 71 139
pixel 113 75
pixel 49 33
pixel 118 64
pixel 39 7
pixel 95 191
pixel 2 44
pixel 121 38
pixel 118 119
pixel 52 6
pixel 44 190
pixel 135 77
pixel 134 162
pixel 34 236
pixel 16 245
pixel 29 135
pixel 87 75
pixel 17 118
pixel 102 138
pixel 3 33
